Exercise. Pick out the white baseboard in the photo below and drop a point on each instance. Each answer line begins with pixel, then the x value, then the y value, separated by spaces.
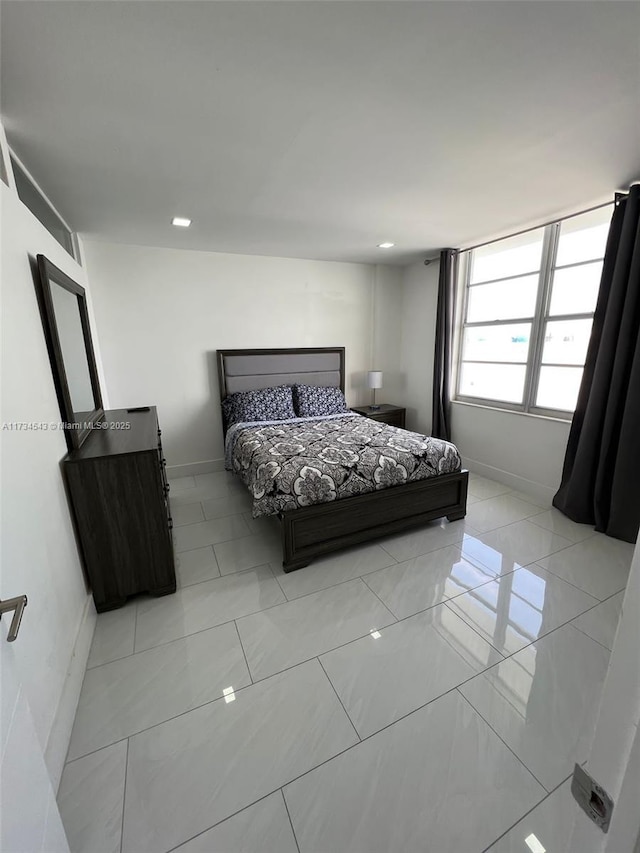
pixel 60 734
pixel 193 468
pixel 536 490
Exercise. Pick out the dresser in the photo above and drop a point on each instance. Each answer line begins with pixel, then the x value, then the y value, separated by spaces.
pixel 119 493
pixel 385 413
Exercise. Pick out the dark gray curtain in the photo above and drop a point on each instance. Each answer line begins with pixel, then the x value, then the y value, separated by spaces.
pixel 601 475
pixel 441 408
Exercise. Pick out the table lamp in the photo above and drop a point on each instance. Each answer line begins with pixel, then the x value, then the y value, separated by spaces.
pixel 374 380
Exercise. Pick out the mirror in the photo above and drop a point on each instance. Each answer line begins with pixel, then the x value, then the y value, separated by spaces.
pixel 63 305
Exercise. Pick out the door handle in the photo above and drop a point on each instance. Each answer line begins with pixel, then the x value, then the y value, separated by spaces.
pixel 18 605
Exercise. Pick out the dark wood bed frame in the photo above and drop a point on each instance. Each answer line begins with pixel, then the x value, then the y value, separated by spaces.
pixel 308 532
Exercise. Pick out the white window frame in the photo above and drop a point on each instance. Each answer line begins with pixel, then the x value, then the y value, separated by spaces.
pixel 551 238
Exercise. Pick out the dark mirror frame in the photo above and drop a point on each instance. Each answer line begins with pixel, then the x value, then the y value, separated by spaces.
pixel 48 274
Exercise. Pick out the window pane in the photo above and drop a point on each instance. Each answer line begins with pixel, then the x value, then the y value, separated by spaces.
pixel 493 381
pixel 503 299
pixel 496 343
pixel 514 256
pixel 558 388
pixel 566 341
pixel 575 289
pixel 583 238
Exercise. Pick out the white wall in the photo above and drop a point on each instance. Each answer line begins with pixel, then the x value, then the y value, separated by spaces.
pixel 418 323
pixel 162 314
pixel 38 552
pixel 386 341
pixel 614 760
pixel 524 451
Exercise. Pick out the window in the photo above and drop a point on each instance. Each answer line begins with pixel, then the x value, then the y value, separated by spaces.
pixel 32 197
pixel 527 315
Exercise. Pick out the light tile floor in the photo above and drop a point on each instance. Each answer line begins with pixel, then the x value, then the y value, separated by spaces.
pixel 429 691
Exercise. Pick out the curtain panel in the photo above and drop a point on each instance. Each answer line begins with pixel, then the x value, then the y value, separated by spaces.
pixel 601 475
pixel 441 403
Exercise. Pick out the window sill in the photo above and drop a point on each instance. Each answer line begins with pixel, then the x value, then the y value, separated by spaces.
pixel 560 420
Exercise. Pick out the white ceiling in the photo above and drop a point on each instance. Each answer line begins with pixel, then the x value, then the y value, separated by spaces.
pixel 320 129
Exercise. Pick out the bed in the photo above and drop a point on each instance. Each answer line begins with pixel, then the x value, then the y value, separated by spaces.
pixel 349 515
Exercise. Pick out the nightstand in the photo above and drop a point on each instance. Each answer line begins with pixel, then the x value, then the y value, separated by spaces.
pixel 385 413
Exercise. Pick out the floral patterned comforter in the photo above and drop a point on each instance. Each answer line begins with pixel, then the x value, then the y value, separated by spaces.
pixel 304 461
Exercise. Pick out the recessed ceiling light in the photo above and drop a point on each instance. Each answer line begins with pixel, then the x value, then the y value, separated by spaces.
pixel 181 222
pixel 534 845
pixel 386 245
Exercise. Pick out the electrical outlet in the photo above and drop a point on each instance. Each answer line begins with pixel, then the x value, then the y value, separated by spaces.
pixel 591 798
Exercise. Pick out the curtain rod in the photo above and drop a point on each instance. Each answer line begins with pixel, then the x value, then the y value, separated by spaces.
pixel 617 197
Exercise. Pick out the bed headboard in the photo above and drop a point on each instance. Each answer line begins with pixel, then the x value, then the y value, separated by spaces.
pixel 249 369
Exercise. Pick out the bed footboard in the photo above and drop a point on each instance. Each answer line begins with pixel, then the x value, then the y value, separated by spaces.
pixel 311 531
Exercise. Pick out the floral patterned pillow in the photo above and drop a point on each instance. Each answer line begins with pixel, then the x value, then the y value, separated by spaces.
pixel 311 401
pixel 263 404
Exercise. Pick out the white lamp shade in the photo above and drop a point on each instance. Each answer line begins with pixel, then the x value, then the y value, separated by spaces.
pixel 374 379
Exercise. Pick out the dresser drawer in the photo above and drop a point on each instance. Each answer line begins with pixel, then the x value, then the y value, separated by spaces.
pixel 119 493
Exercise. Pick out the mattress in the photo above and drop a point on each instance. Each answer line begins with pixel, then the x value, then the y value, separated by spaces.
pixel 303 461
